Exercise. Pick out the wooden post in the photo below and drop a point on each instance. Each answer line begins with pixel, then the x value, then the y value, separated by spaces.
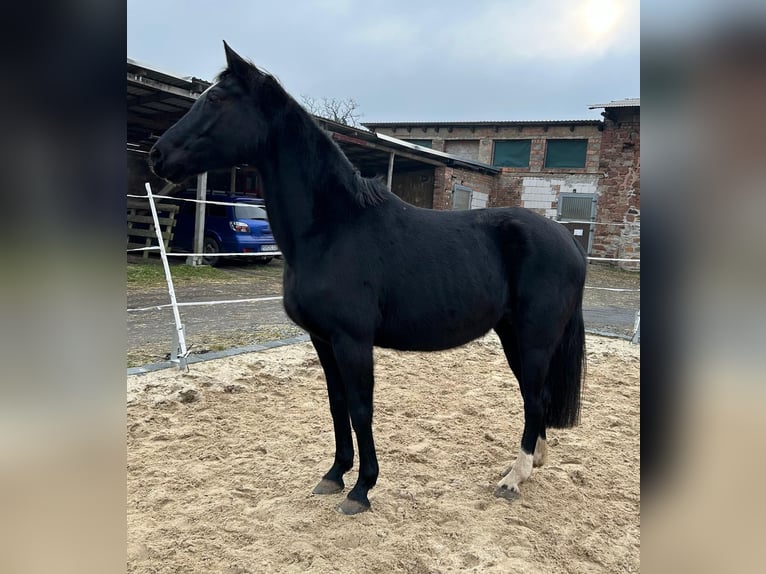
pixel 390 177
pixel 199 220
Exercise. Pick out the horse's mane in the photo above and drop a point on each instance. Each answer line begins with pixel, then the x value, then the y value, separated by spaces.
pixel 366 192
pixel 369 191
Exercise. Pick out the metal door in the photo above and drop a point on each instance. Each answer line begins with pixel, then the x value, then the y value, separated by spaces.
pixel 577 211
pixel 461 197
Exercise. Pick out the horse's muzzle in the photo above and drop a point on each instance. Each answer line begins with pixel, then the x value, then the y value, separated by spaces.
pixel 162 168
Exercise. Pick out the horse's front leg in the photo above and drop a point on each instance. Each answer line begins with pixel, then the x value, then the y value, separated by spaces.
pixel 355 363
pixel 332 481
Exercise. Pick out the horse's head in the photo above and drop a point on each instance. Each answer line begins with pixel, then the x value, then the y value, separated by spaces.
pixel 227 125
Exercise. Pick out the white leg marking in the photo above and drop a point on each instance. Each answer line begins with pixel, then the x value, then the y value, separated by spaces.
pixel 541 452
pixel 520 471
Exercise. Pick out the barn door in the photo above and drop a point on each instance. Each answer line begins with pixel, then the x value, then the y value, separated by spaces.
pixel 577 211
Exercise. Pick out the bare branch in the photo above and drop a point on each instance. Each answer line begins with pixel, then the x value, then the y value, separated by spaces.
pixel 340 111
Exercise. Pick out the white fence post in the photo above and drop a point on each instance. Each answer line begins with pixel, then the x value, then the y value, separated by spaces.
pixel 199 229
pixel 637 329
pixel 180 352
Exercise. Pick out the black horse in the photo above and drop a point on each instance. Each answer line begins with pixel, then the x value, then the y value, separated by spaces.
pixel 364 268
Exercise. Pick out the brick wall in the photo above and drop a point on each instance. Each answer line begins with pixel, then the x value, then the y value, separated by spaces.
pixel 462 140
pixel 619 199
pixel 443 187
pixel 540 193
pixel 509 188
pixel 446 177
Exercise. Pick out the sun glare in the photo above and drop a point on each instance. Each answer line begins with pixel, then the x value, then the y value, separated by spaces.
pixel 601 16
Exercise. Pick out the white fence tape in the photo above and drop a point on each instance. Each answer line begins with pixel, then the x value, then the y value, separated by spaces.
pixel 613 289
pixel 159 198
pixel 613 259
pixel 585 222
pixel 202 303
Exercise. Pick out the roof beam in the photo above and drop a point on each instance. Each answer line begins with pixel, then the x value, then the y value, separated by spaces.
pixel 387 150
pixel 144 81
pixel 149 99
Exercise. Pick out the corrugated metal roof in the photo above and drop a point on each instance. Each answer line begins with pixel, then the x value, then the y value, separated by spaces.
pixel 626 103
pixel 392 144
pixel 503 123
pixel 169 78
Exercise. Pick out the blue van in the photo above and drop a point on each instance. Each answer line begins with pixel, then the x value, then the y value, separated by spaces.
pixel 242 227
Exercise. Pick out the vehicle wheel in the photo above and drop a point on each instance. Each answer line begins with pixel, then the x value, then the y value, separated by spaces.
pixel 263 260
pixel 209 247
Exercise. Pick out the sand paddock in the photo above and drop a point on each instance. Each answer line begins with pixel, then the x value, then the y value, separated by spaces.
pixel 222 460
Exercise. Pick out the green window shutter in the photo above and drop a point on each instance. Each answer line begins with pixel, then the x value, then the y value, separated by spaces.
pixel 566 153
pixel 511 153
pixel 424 143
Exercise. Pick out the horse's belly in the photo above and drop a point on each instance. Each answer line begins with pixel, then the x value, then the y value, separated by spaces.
pixel 426 332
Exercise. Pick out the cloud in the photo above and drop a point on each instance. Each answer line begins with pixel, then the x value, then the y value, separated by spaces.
pixel 555 30
pixel 501 32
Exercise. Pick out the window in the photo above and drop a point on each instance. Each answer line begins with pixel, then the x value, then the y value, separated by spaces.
pixel 461 197
pixel 566 153
pixel 424 143
pixel 511 153
pixel 215 210
pixel 249 211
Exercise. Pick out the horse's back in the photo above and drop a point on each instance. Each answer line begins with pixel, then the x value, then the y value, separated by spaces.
pixel 449 277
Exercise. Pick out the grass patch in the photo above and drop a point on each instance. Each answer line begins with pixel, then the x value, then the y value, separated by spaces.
pixel 151 273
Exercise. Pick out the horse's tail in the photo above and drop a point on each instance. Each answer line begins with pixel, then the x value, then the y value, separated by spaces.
pixel 563 383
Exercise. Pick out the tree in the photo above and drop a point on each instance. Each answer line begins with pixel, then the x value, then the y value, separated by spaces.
pixel 341 111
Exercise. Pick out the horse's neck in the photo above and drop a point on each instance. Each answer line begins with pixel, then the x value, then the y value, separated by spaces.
pixel 304 176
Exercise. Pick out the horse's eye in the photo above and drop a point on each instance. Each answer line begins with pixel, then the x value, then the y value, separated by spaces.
pixel 213 98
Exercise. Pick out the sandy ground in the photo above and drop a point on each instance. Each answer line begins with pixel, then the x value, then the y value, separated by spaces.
pixel 222 460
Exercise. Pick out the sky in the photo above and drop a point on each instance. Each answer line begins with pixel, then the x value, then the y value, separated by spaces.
pixel 409 60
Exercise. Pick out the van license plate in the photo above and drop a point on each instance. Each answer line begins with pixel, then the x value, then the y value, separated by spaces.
pixel 268 247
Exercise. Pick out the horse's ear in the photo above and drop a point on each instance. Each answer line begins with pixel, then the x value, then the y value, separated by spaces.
pixel 236 63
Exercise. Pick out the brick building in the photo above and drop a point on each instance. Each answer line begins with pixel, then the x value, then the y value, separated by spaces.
pixel 583 172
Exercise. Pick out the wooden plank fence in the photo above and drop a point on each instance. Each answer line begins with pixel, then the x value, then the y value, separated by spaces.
pixel 141 227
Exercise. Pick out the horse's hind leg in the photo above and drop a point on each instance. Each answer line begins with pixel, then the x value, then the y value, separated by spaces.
pixel 507 334
pixel 529 351
pixel 344 446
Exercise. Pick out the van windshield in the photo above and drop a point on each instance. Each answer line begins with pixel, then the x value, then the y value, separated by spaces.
pixel 246 211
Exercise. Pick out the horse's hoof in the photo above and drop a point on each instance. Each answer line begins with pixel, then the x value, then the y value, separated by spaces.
pixel 350 507
pixel 327 486
pixel 508 493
